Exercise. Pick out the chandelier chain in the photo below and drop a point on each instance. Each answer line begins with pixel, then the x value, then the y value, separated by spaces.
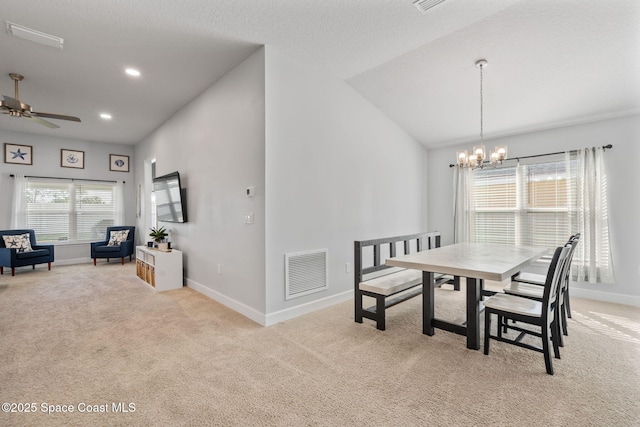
pixel 481 109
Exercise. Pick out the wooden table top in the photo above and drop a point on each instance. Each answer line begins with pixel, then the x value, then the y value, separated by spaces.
pixel 489 261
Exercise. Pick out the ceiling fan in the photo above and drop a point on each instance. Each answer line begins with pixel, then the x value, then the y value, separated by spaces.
pixel 15 108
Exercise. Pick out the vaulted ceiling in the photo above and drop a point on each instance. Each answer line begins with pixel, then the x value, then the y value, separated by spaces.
pixel 551 62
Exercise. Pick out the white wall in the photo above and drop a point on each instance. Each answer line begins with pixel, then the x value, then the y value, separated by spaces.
pixel 46 162
pixel 216 143
pixel 624 192
pixel 337 170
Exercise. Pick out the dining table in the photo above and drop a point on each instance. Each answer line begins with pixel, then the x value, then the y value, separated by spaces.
pixel 476 262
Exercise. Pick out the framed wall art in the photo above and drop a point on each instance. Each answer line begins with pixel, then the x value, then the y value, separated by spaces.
pixel 72 159
pixel 18 154
pixel 118 163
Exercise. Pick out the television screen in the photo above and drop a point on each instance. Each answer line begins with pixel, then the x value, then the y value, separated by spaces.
pixel 170 200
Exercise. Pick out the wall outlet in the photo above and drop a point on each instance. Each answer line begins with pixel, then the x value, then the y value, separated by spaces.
pixel 347 267
pixel 250 191
pixel 248 218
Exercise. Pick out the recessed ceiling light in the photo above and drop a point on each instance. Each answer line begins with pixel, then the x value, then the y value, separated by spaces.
pixel 105 116
pixel 132 72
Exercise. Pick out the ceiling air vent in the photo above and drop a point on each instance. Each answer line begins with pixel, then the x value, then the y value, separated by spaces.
pixel 424 5
pixel 34 35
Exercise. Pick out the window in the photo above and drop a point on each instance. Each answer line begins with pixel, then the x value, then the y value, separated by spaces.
pixel 524 205
pixel 69 211
pixel 540 205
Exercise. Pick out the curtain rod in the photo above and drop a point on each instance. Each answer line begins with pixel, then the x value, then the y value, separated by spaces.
pixel 69 179
pixel 604 147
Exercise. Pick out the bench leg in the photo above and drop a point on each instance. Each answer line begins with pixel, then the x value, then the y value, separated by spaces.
pixel 380 313
pixel 456 283
pixel 94 261
pixel 358 307
pixel 49 266
pixel 122 260
pixel 13 271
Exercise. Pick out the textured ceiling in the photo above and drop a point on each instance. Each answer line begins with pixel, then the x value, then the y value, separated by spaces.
pixel 551 62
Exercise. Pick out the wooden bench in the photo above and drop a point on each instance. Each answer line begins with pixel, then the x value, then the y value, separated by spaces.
pixel 390 285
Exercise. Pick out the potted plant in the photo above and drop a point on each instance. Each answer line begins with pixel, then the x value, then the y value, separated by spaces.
pixel 158 235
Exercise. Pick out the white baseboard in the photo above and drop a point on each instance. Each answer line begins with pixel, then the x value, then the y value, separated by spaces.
pixel 234 305
pixel 272 318
pixel 72 261
pixel 299 310
pixel 605 296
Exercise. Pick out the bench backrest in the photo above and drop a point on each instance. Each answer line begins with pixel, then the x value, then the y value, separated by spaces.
pixel 423 241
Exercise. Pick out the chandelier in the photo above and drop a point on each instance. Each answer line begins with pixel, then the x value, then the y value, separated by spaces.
pixel 477 157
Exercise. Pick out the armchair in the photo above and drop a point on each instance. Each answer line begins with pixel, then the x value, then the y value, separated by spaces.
pixel 17 254
pixel 113 246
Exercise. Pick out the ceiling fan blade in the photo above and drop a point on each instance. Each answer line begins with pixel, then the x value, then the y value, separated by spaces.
pixel 42 122
pixel 55 116
pixel 12 103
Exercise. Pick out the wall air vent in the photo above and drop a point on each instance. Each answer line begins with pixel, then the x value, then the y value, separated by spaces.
pixel 424 5
pixel 305 273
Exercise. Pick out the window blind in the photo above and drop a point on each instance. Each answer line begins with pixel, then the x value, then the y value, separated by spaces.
pixel 522 205
pixel 69 210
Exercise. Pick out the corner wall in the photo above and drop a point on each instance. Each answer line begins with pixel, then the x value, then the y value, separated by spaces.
pixel 216 142
pixel 337 170
pixel 624 193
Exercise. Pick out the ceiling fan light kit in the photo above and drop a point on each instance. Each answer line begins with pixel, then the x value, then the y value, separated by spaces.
pixel 34 35
pixel 15 108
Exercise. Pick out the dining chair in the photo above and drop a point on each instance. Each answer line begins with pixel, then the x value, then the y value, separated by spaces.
pixel 530 286
pixel 541 315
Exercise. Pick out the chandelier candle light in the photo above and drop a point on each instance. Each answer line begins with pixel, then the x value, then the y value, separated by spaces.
pixel 479 154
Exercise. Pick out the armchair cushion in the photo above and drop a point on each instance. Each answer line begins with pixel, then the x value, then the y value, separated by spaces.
pixel 19 242
pixel 117 237
pixel 33 254
pixel 104 249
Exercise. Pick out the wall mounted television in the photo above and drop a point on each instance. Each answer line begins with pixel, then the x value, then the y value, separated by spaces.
pixel 170 198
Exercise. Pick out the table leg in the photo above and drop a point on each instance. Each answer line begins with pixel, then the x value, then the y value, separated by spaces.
pixel 473 312
pixel 428 284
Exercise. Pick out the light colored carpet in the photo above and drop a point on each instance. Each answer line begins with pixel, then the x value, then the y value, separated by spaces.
pixel 99 336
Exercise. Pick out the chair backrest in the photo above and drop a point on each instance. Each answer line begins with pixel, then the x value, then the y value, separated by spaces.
pixel 571 244
pixel 130 236
pixel 555 275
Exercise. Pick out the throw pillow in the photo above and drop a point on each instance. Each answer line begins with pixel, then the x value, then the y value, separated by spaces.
pixel 117 237
pixel 20 242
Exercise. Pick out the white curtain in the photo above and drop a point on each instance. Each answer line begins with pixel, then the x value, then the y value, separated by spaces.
pixel 19 202
pixel 462 205
pixel 592 259
pixel 119 203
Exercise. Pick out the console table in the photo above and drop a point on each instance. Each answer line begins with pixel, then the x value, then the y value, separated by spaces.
pixel 162 270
